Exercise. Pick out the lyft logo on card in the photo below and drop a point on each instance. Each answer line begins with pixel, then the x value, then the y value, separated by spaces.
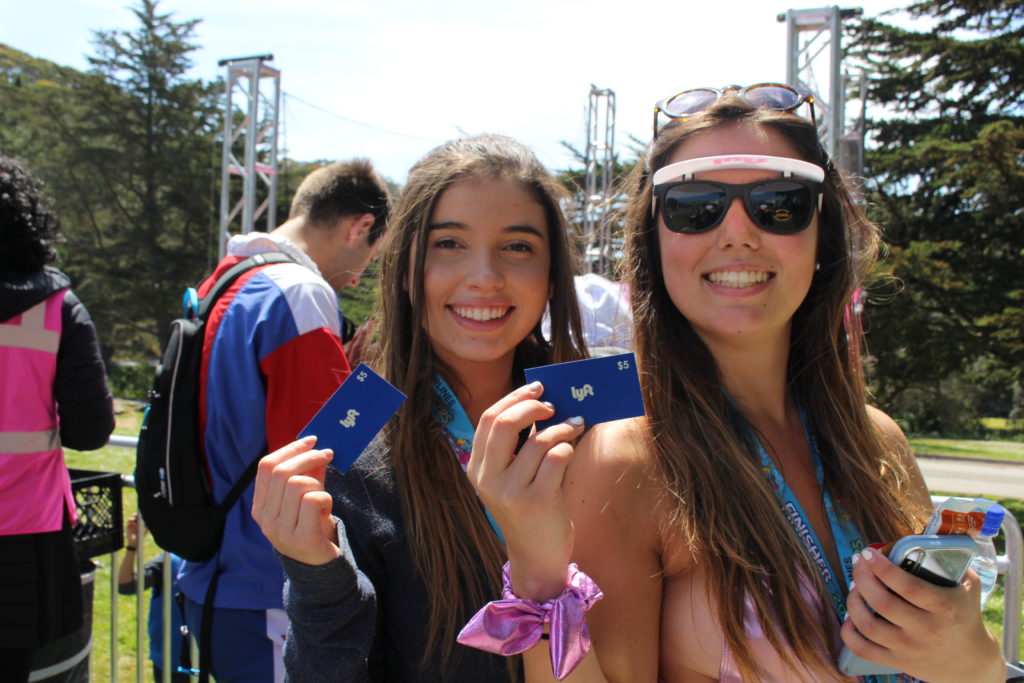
pixel 597 389
pixel 353 415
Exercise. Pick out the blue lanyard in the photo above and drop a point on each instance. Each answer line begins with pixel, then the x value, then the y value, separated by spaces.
pixel 452 416
pixel 847 538
pixel 844 533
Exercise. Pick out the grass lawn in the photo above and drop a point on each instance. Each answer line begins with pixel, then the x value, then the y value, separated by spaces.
pixel 994 450
pixel 123 460
pixel 1002 424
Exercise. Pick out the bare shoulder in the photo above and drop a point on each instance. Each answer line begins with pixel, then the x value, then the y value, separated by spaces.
pixel 612 491
pixel 620 441
pixel 613 477
pixel 611 456
pixel 894 438
pixel 887 427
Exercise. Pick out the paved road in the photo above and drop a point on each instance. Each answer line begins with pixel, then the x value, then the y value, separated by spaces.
pixel 973 478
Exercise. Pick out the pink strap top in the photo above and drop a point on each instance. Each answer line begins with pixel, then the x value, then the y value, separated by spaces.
pixel 774 669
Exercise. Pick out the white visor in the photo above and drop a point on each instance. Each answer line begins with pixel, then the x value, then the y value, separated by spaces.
pixel 685 170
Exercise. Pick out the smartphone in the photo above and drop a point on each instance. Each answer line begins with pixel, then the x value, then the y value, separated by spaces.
pixel 942 560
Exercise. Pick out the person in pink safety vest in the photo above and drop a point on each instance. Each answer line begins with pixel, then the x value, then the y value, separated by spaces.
pixel 53 392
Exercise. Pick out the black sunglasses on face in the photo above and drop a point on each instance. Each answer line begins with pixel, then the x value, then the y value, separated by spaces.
pixel 782 206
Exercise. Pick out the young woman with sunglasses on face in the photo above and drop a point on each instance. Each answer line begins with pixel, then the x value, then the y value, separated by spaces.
pixel 477 250
pixel 727 528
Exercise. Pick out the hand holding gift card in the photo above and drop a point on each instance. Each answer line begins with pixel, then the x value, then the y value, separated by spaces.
pixel 353 415
pixel 596 389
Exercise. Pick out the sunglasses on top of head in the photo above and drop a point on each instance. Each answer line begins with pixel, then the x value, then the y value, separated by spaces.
pixel 784 205
pixel 776 96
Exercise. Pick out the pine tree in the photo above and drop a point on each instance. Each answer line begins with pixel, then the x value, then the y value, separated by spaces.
pixel 946 181
pixel 151 140
pixel 129 157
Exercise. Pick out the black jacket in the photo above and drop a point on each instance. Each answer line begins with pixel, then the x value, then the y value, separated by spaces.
pixel 363 617
pixel 84 403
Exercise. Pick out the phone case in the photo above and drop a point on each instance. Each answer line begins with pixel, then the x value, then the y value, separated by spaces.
pixel 942 560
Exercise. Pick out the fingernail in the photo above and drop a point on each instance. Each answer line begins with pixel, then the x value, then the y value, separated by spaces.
pixel 311 439
pixel 575 421
pixel 868 554
pixel 854 560
pixel 549 404
pixel 533 386
pixel 852 585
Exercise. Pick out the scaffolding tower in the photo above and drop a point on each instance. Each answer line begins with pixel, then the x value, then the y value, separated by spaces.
pixel 814 59
pixel 253 93
pixel 600 175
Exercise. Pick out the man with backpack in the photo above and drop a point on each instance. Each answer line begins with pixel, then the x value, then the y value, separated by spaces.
pixel 272 355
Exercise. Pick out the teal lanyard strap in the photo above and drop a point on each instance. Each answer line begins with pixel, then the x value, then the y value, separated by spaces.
pixel 847 539
pixel 452 416
pixel 846 536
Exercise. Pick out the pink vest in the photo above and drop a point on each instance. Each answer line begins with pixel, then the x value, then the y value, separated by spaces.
pixel 35 487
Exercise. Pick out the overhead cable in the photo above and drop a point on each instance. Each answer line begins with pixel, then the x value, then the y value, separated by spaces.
pixel 358 123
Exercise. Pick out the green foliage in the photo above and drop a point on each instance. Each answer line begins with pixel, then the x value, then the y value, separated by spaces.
pixel 162 125
pixel 130 380
pixel 945 180
pixel 357 302
pixel 945 407
pixel 127 151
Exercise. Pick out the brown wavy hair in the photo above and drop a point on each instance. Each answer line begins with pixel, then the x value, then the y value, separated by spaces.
pixel 449 534
pixel 719 501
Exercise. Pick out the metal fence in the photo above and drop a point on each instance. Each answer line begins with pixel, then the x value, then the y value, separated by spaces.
pixel 141 651
pixel 1010 566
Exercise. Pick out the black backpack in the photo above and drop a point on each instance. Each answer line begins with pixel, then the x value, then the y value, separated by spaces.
pixel 171 475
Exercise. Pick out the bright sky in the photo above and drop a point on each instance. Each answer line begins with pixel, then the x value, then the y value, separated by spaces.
pixel 401 76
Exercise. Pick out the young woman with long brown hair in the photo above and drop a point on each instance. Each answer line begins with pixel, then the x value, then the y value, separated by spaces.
pixel 727 528
pixel 477 250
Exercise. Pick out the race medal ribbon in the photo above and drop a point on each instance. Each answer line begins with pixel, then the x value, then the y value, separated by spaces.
pixel 844 533
pixel 452 416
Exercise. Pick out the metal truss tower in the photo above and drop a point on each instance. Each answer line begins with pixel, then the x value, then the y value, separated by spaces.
pixel 600 174
pixel 253 91
pixel 814 58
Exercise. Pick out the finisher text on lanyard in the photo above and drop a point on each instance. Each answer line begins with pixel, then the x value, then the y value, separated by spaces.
pixel 452 416
pixel 847 538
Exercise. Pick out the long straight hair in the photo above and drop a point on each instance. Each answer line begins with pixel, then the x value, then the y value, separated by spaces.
pixel 449 534
pixel 720 503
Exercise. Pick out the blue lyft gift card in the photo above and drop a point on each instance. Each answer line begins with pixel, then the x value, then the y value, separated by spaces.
pixel 597 389
pixel 353 415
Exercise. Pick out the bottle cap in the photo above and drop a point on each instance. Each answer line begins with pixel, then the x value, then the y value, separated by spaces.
pixel 993 520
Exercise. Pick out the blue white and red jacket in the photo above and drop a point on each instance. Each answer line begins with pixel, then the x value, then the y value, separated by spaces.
pixel 272 356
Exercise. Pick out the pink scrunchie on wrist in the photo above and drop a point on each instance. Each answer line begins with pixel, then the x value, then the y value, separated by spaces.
pixel 513 625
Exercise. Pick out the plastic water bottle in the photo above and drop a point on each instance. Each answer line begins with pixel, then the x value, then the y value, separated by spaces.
pixel 985 560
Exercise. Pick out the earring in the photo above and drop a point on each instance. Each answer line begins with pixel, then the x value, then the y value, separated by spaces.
pixel 817 265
